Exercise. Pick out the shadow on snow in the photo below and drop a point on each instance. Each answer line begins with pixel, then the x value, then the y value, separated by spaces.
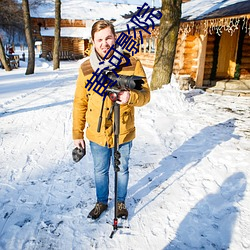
pixel 22 110
pixel 190 153
pixel 210 223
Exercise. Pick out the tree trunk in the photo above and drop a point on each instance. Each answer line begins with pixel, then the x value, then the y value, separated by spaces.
pixel 56 59
pixel 29 38
pixel 3 57
pixel 165 54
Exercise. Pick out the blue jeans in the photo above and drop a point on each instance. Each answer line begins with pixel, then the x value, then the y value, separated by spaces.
pixel 102 158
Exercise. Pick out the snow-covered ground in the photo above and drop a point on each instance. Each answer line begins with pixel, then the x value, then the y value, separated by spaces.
pixel 189 169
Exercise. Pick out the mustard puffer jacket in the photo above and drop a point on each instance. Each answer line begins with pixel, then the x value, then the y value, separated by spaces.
pixel 87 107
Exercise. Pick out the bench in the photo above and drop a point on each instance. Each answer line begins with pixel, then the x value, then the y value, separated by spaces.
pixel 13 61
pixel 63 55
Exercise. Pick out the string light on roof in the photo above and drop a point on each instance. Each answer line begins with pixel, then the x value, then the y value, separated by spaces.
pixel 246 25
pixel 229 24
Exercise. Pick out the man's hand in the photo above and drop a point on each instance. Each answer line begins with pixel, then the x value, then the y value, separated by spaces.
pixel 123 97
pixel 79 143
pixel 79 151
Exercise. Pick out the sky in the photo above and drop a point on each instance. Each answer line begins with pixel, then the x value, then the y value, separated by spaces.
pixel 189 169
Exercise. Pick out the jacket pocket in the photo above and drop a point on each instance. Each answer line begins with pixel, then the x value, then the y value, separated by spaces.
pixel 127 119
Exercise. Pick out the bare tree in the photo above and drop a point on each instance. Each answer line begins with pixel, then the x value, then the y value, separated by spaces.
pixel 28 33
pixel 11 24
pixel 11 17
pixel 169 27
pixel 3 57
pixel 56 59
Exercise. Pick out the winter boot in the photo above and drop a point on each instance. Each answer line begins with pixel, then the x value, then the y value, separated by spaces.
pixel 97 210
pixel 122 211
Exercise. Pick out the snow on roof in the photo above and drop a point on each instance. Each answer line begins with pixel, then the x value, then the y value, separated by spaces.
pixel 156 3
pixel 83 10
pixel 79 32
pixel 114 9
pixel 200 9
pixel 197 9
pixel 92 10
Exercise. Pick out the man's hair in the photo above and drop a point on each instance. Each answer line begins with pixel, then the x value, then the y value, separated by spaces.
pixel 101 24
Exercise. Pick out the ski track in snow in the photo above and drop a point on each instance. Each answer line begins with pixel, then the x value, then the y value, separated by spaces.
pixel 45 197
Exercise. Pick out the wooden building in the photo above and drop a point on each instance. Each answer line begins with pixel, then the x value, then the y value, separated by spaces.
pixel 74 37
pixel 215 47
pixel 210 47
pixel 77 19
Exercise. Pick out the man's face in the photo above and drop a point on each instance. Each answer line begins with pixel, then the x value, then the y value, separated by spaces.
pixel 103 40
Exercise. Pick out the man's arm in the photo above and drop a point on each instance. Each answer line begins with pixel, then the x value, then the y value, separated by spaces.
pixel 80 106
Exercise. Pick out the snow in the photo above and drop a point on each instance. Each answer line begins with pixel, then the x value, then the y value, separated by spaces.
pixel 84 10
pixel 189 169
pixel 197 9
pixel 80 32
pixel 191 10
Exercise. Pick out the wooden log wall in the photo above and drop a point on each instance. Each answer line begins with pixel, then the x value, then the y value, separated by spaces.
pixel 50 22
pixel 146 53
pixel 186 55
pixel 73 45
pixel 147 59
pixel 47 45
pixel 245 60
pixel 209 57
pixel 191 54
pixel 178 61
pixel 79 46
pixel 66 44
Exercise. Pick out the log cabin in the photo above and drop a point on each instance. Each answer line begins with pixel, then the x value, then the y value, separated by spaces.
pixel 74 37
pixel 213 41
pixel 213 45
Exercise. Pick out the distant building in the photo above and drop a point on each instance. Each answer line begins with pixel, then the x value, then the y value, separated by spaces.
pixel 74 37
pixel 77 19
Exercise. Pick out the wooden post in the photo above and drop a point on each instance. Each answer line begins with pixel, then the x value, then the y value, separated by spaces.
pixel 140 47
pixel 149 44
pixel 156 41
pixel 145 45
pixel 201 60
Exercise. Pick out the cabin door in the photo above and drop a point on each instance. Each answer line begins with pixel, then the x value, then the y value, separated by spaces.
pixel 227 55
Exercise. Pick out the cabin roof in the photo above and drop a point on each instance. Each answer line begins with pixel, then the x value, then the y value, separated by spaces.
pixel 92 10
pixel 196 10
pixel 83 10
pixel 77 32
pixel 209 9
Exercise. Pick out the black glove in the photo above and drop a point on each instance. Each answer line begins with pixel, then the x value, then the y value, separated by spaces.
pixel 78 153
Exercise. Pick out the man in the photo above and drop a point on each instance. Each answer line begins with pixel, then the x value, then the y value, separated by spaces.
pixel 86 109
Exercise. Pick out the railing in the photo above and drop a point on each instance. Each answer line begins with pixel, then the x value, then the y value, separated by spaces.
pixel 64 55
